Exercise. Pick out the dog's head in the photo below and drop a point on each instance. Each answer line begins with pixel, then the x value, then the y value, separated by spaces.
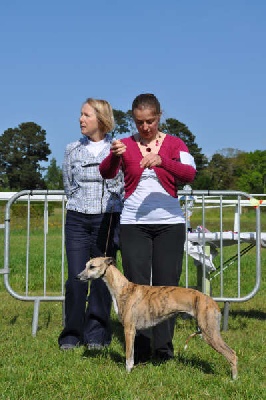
pixel 95 268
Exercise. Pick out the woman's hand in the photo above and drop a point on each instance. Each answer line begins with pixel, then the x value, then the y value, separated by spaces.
pixel 118 148
pixel 151 160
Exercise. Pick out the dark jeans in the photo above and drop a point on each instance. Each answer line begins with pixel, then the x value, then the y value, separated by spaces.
pixel 86 237
pixel 153 254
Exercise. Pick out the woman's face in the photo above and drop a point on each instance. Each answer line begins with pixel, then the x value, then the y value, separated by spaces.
pixel 88 121
pixel 146 122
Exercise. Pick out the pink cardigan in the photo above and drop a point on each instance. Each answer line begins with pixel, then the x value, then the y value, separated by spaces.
pixel 170 173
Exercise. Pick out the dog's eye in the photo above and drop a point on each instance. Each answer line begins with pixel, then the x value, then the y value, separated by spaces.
pixel 92 266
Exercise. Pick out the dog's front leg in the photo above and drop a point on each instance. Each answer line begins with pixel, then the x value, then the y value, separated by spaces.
pixel 130 334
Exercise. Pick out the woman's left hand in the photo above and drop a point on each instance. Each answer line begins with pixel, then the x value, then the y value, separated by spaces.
pixel 151 160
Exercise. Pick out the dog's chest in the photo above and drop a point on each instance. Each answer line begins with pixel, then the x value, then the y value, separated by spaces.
pixel 115 305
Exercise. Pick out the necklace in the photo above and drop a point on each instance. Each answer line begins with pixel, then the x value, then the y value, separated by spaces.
pixel 148 148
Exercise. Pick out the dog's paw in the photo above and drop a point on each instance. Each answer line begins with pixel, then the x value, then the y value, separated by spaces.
pixel 129 365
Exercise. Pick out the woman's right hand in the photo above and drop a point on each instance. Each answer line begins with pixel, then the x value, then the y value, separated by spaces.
pixel 118 148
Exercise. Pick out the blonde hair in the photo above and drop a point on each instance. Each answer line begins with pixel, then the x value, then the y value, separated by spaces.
pixel 104 114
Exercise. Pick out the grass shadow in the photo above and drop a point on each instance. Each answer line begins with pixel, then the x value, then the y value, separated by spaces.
pixel 14 320
pixel 195 362
pixel 94 353
pixel 254 314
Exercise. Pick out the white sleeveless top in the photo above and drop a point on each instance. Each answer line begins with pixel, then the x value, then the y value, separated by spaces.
pixel 151 204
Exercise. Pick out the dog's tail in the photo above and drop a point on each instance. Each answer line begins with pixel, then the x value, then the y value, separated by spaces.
pixel 191 336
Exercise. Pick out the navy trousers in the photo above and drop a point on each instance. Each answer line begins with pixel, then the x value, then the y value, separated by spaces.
pixel 86 237
pixel 153 254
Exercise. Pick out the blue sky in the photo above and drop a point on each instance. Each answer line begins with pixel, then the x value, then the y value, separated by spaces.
pixel 204 59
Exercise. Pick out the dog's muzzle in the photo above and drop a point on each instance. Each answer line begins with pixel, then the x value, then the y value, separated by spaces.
pixel 81 278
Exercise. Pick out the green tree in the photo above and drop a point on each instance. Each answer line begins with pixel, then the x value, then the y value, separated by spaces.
pixel 54 176
pixel 177 128
pixel 232 169
pixel 21 151
pixel 123 122
pixel 251 172
pixel 220 173
pixel 203 180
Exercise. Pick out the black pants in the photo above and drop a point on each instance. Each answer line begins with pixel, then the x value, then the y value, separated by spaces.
pixel 153 254
pixel 86 237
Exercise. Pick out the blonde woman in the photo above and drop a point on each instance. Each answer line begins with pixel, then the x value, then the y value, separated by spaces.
pixel 92 226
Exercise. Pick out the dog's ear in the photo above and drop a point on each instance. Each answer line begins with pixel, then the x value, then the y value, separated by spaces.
pixel 110 261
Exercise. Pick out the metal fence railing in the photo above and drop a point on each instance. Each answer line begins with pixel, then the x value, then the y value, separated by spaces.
pixel 218 249
pixel 29 224
pixel 214 252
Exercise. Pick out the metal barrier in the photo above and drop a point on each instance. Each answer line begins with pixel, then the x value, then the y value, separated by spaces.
pixel 30 197
pixel 205 245
pixel 202 247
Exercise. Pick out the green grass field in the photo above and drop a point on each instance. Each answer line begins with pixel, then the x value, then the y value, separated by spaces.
pixel 35 368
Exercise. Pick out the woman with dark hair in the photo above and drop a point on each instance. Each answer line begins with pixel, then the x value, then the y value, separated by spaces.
pixel 152 230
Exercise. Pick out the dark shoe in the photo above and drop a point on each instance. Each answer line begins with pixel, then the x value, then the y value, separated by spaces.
pixel 163 356
pixel 95 346
pixel 141 358
pixel 68 346
pixel 97 337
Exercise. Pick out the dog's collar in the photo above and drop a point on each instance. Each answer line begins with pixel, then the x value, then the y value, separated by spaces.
pixel 103 274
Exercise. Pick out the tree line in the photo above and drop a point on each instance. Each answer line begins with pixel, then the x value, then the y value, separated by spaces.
pixel 24 148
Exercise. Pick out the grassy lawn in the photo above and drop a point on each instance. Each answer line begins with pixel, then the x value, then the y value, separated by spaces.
pixel 34 367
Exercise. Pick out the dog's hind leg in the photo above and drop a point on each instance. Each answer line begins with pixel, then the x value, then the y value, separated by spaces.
pixel 218 344
pixel 129 339
pixel 210 330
